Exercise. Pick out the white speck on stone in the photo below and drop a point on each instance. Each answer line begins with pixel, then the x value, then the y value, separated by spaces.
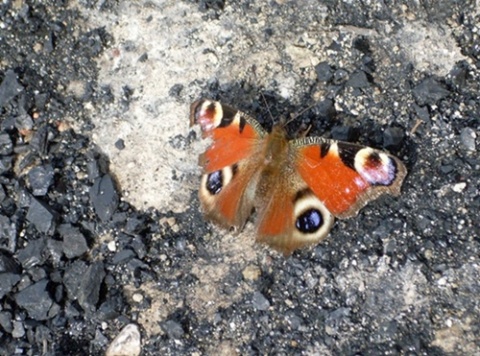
pixel 442 282
pixel 459 187
pixel 467 137
pixel 112 246
pixel 127 343
pixel 137 297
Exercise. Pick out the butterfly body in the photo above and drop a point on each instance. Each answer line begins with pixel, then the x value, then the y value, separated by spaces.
pixel 296 187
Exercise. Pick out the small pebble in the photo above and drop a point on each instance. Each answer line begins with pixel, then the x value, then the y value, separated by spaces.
pixel 137 297
pixel 251 273
pixel 126 343
pixel 260 302
pixel 467 138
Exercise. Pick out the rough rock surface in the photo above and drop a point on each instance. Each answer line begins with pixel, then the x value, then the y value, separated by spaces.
pixel 100 228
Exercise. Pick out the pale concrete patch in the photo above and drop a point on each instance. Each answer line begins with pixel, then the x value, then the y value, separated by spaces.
pixel 429 47
pixel 182 48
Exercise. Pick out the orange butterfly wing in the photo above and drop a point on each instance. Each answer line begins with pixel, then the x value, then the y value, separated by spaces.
pixel 345 176
pixel 229 174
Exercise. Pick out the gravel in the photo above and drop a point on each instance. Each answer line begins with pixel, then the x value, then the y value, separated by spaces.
pixel 87 270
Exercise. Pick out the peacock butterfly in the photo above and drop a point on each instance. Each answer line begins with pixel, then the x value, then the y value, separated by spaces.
pixel 296 186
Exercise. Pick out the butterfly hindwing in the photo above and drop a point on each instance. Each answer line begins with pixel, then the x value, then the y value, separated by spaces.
pixel 290 216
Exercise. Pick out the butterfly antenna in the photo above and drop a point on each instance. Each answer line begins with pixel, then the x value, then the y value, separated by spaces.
pixel 294 117
pixel 268 107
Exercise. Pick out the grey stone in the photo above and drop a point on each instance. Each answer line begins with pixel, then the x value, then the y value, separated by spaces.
pixel 173 329
pixel 36 300
pixel 7 282
pixel 40 179
pixel 260 302
pixel 74 243
pixel 104 197
pixel 9 88
pixel 89 290
pixel 429 92
pixel 42 216
pixel 467 138
pixel 6 144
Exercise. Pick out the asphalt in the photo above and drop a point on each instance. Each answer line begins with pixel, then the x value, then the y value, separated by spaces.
pixel 82 256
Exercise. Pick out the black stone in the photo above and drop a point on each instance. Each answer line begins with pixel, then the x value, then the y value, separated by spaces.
pixel 74 243
pixel 134 225
pixel 429 92
pixel 42 216
pixel 173 329
pixel 107 310
pixel 93 170
pixel 459 74
pixel 24 198
pixel 134 264
pixel 7 282
pixel 143 58
pixel 23 122
pixel 6 321
pixel 259 301
pixel 119 218
pixel 422 112
pixel 33 254
pixel 48 43
pixel 9 88
pixel 176 90
pixel 27 160
pixel 43 335
pixel 41 178
pixel 8 234
pixel 41 101
pixel 139 247
pixel 8 264
pixel 362 44
pixel 37 273
pixel 393 137
pixel 5 164
pixel 91 281
pixel 358 80
pixel 9 208
pixel 343 133
pixel 447 168
pixel 324 71
pixel 340 76
pixel 2 193
pixel 6 144
pixel 73 277
pixel 104 197
pixel 39 141
pixel 36 300
pixel 120 144
pixel 325 109
pixel 123 256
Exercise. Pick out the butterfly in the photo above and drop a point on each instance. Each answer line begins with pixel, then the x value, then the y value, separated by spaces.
pixel 296 187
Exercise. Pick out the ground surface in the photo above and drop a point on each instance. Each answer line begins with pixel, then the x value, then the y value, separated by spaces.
pixel 99 221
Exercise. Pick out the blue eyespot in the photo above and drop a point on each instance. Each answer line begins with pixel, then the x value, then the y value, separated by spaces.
pixel 309 221
pixel 215 182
